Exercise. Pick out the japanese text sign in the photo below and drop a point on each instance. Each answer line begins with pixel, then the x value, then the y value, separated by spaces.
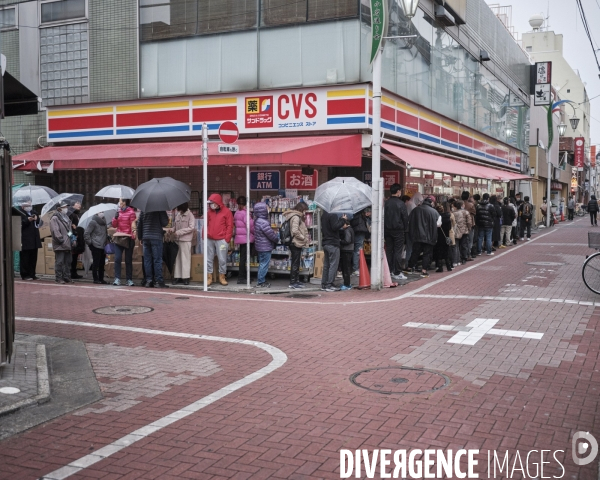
pixel 378 23
pixel 264 180
pixel 579 152
pixel 295 180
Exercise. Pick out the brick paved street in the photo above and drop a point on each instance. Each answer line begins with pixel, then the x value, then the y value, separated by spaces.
pixel 517 335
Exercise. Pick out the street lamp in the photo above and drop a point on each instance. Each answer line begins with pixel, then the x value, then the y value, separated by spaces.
pixel 574 122
pixel 410 10
pixel 562 128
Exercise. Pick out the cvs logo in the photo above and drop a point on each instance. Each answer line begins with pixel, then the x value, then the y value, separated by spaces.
pixel 297 105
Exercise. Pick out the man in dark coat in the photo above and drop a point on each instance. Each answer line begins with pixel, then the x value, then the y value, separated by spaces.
pixel 395 222
pixel 484 218
pixel 331 224
pixel 422 228
pixel 150 231
pixel 80 243
pixel 30 241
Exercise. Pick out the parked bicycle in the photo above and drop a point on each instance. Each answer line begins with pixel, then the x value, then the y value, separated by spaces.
pixel 591 267
pixel 580 210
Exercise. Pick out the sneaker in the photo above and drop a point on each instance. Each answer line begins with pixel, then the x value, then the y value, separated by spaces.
pixel 28 279
pixel 490 254
pixel 339 275
pixel 323 288
pixel 298 285
pixel 130 283
pixel 399 277
pixel 149 285
pixel 117 282
pixel 528 238
pixel 344 288
pixel 522 238
pixel 502 246
pixel 454 265
pixel 470 259
pixel 356 273
pixel 424 275
pixel 97 282
pixel 332 289
pixel 263 285
pixel 103 282
pixel 60 282
pixel 161 285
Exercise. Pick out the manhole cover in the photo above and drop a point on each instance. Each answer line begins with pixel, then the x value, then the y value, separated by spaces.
pixel 399 380
pixel 123 310
pixel 303 295
pixel 9 390
pixel 545 264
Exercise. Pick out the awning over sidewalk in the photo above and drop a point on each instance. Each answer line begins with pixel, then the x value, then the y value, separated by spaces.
pixel 437 163
pixel 330 150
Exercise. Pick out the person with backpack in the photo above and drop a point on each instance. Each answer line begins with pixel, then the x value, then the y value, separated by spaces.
pixel 593 210
pixel 265 239
pixel 508 216
pixel 293 233
pixel 331 224
pixel 185 230
pixel 346 254
pixel 526 215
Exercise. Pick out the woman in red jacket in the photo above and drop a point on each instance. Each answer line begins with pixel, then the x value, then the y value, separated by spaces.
pixel 124 222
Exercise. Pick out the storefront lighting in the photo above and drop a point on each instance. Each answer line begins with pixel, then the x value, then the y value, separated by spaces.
pixel 409 7
pixel 574 122
pixel 508 132
pixel 562 128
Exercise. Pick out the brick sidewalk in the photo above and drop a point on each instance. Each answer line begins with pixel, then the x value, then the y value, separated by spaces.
pixel 505 392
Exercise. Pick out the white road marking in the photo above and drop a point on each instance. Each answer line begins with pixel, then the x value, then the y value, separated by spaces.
pixel 509 299
pixel 279 358
pixel 475 331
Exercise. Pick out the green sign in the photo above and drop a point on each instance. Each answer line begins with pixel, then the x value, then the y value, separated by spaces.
pixel 378 24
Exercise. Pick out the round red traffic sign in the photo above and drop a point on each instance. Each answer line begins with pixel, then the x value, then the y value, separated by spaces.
pixel 228 132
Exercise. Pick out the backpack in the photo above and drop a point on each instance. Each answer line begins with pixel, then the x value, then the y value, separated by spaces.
pixel 527 210
pixel 285 233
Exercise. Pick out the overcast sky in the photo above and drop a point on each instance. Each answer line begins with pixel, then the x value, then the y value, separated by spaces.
pixel 565 20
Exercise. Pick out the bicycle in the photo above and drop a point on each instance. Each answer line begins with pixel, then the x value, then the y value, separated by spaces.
pixel 580 210
pixel 590 271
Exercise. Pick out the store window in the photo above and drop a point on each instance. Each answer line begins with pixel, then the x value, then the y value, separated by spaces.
pixel 62 11
pixel 284 12
pixel 8 18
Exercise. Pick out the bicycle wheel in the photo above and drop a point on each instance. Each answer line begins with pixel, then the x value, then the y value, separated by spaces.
pixel 591 273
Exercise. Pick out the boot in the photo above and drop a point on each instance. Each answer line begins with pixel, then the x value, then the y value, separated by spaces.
pixel 209 278
pixel 222 279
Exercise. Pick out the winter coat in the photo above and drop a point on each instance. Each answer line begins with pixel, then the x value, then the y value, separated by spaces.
pixel 514 223
pixel 60 229
pixel 359 223
pixel 497 219
pixel 395 220
pixel 571 204
pixel 300 237
pixel 485 215
pixel 592 206
pixel 95 233
pixel 330 229
pixel 220 221
pixel 422 224
pixel 464 222
pixel 125 220
pixel 415 201
pixel 265 237
pixel 239 219
pixel 508 214
pixel 470 207
pixel 150 225
pixel 30 235
pixel 347 239
pixel 184 226
pixel 445 231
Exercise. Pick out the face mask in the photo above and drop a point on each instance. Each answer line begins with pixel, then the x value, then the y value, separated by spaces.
pixel 213 206
pixel 123 208
pixel 28 209
pixel 101 214
pixel 59 210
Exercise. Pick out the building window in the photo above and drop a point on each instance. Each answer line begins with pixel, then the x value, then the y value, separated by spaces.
pixel 284 12
pixel 528 49
pixel 568 90
pixel 62 11
pixel 8 18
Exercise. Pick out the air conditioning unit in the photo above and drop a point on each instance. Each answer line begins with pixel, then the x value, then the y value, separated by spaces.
pixel 443 16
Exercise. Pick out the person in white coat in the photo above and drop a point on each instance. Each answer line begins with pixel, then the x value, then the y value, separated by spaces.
pixel 183 228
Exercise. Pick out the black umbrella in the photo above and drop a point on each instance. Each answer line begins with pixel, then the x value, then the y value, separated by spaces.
pixel 160 194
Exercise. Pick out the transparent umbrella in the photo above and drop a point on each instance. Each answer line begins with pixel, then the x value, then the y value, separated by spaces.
pixel 68 198
pixel 116 191
pixel 109 209
pixel 35 194
pixel 343 195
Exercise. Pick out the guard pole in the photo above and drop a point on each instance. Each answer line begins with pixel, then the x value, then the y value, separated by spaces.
pixel 205 201
pixel 376 240
pixel 548 203
pixel 248 226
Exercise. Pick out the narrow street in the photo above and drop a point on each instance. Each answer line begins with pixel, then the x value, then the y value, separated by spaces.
pixel 504 356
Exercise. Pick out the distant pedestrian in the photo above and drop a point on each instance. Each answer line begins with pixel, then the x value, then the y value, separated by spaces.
pixel 125 223
pixel 508 215
pixel 62 241
pixel 79 245
pixel 150 228
pixel 184 227
pixel 469 206
pixel 497 221
pixel 361 225
pixel 442 250
pixel 30 241
pixel 476 198
pixel 571 207
pixel 239 220
pixel 96 237
pixel 265 239
pixel 423 230
pixel 346 254
pixel 300 240
pixel 593 210
pixel 486 213
pixel 395 227
pixel 464 225
pixel 514 232
pixel 219 224
pixel 526 216
pixel 331 224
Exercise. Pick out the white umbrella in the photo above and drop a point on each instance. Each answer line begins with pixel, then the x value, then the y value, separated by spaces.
pixel 68 198
pixel 116 191
pixel 343 195
pixel 35 194
pixel 109 209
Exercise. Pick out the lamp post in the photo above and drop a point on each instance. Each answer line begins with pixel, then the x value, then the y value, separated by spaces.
pixel 378 29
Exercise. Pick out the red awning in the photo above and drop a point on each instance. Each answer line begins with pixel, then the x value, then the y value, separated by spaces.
pixel 437 163
pixel 330 150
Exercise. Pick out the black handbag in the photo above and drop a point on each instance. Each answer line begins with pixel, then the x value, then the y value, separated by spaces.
pixel 122 241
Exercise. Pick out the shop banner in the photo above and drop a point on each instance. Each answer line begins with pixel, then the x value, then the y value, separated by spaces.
pixel 264 180
pixel 294 179
pixel 378 24
pixel 389 178
pixel 593 156
pixel 368 178
pixel 579 152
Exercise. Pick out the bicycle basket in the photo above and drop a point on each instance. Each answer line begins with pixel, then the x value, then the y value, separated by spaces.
pixel 594 239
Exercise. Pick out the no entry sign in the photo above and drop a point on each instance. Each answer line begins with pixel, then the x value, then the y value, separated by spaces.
pixel 228 132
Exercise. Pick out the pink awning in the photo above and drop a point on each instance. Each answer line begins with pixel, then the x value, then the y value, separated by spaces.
pixel 327 150
pixel 437 163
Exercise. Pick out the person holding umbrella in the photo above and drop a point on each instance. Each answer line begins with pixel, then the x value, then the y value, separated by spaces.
pixel 30 241
pixel 124 221
pixel 150 228
pixel 184 228
pixel 62 241
pixel 96 236
pixel 79 246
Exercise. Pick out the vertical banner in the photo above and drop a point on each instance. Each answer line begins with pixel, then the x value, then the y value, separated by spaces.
pixel 579 152
pixel 593 156
pixel 378 23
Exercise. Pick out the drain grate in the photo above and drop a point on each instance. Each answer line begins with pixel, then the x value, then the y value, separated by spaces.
pixel 304 295
pixel 400 380
pixel 123 310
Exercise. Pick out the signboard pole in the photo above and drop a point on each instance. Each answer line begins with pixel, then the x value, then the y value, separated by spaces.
pixel 548 203
pixel 248 226
pixel 205 202
pixel 376 240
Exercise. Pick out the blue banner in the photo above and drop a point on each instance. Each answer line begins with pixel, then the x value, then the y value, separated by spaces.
pixel 266 180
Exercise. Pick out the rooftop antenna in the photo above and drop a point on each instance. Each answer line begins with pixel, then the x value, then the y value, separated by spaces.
pixel 548 17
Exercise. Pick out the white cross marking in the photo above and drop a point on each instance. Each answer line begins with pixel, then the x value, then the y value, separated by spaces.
pixel 475 331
